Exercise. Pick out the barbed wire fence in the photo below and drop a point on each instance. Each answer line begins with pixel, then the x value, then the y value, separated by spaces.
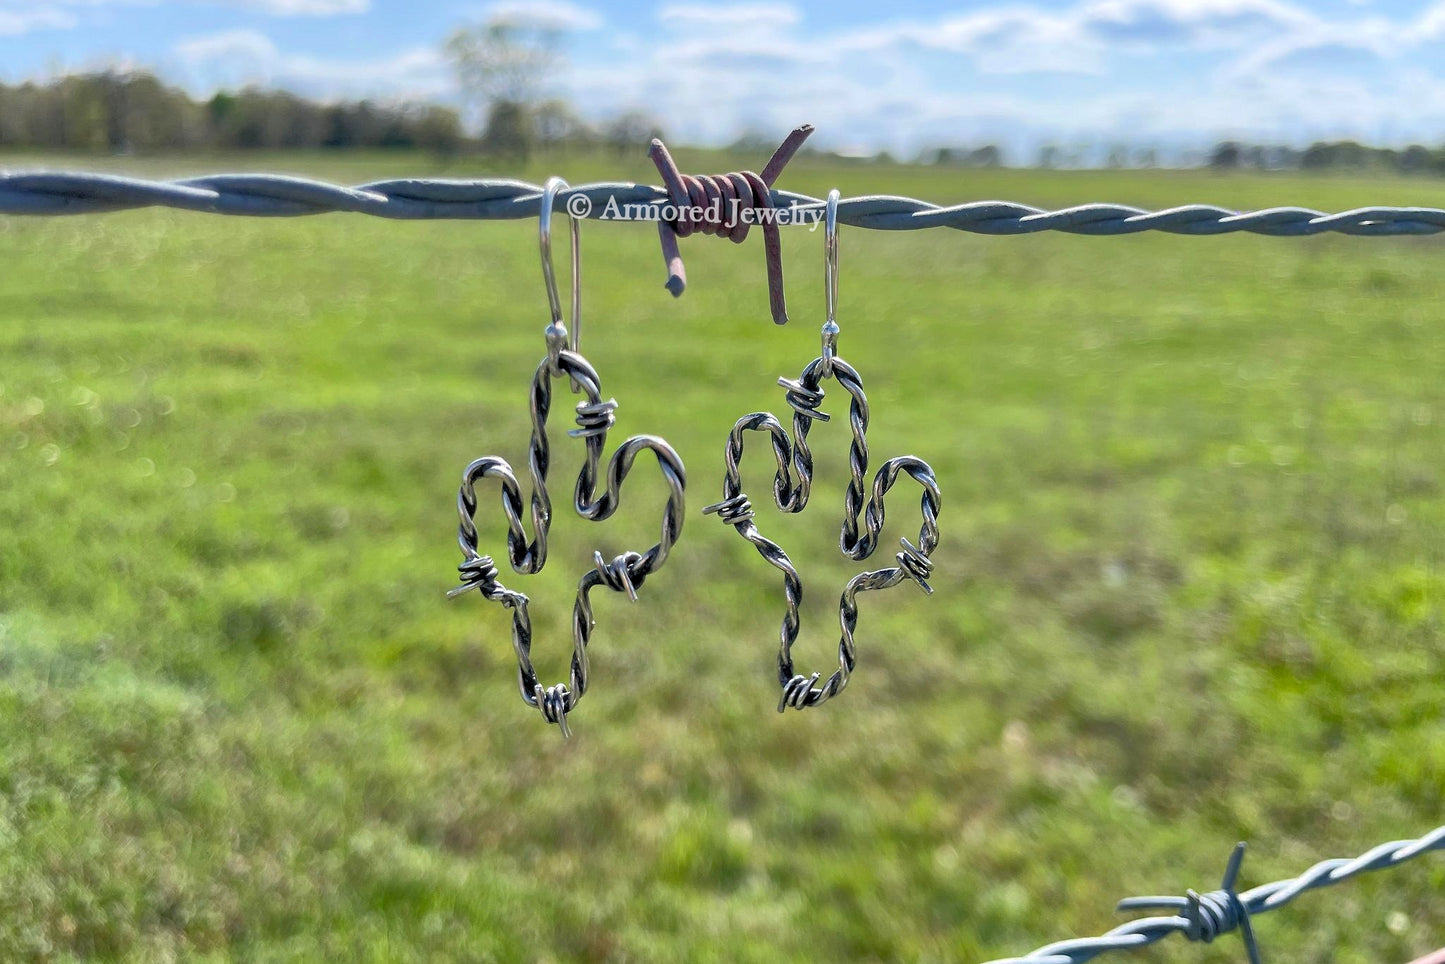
pixel 721 206
pixel 276 195
pixel 1196 916
pixel 1203 917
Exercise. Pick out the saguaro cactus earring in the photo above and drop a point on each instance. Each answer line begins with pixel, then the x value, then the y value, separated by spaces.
pixel 805 395
pixel 626 572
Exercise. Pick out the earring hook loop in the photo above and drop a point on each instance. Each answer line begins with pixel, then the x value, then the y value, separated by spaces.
pixel 830 280
pixel 557 330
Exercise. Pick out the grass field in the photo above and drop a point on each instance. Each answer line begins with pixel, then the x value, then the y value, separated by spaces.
pixel 1190 588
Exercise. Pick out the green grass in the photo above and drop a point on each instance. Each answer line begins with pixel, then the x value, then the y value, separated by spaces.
pixel 1189 591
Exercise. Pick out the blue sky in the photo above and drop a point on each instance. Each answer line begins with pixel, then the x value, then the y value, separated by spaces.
pixel 901 75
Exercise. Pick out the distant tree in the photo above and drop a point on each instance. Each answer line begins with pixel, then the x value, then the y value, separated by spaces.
pixel 1415 159
pixel 506 58
pixel 11 132
pixel 1225 156
pixel 1341 154
pixel 1282 158
pixel 752 141
pixel 556 125
pixel 120 111
pixel 630 130
pixel 439 130
pixel 990 155
pixel 509 130
pixel 1049 156
pixel 502 67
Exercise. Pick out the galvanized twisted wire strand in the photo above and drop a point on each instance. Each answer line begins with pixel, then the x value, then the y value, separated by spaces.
pixel 625 573
pixel 1333 871
pixel 274 195
pixel 805 395
pixel 1148 930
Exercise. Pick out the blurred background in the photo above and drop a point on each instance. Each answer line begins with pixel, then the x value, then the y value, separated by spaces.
pixel 1189 589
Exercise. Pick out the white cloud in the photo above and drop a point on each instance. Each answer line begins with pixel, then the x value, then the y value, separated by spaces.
pixel 239 57
pixel 1082 39
pixel 412 73
pixel 276 8
pixel 1191 22
pixel 9 6
pixel 1250 69
pixel 750 18
pixel 1430 25
pixel 1017 41
pixel 556 14
pixel 227 45
pixel 1326 49
pixel 13 23
pixel 304 8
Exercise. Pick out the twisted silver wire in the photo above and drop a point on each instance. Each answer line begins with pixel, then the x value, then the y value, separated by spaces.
pixel 274 195
pixel 792 455
pixel 1148 930
pixel 625 573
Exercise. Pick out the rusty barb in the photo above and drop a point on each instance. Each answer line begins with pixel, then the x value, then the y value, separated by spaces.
pixel 726 205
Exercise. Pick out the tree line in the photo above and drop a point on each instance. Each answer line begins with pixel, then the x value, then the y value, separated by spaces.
pixel 116 111
pixel 1225 156
pixel 1328 155
pixel 134 111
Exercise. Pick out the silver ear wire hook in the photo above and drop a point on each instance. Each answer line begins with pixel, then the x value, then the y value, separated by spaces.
pixel 557 336
pixel 830 281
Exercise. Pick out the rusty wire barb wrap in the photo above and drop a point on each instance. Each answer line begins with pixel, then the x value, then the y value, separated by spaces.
pixel 720 204
pixel 792 455
pixel 1205 917
pixel 624 574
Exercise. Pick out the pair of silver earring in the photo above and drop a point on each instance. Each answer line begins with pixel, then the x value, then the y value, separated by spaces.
pixel 626 572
